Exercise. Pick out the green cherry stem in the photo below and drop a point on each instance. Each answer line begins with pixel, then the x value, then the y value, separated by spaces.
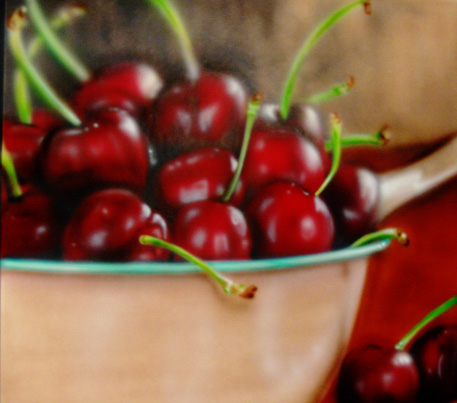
pixel 309 43
pixel 332 93
pixel 380 138
pixel 383 234
pixel 251 115
pixel 15 24
pixel 172 16
pixel 8 166
pixel 227 285
pixel 401 345
pixel 66 58
pixel 336 151
pixel 20 85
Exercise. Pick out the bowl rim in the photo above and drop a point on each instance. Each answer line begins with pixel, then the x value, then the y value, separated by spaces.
pixel 282 263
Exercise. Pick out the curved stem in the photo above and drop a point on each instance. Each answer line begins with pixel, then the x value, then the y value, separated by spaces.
pixel 20 86
pixel 380 138
pixel 172 16
pixel 336 152
pixel 54 44
pixel 332 93
pixel 8 166
pixel 227 285
pixel 309 43
pixel 384 234
pixel 251 114
pixel 401 345
pixel 15 25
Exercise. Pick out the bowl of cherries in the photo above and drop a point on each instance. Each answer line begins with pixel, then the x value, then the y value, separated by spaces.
pixel 173 234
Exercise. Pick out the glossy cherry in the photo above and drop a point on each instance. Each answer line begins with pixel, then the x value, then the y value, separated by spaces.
pixel 30 225
pixel 209 111
pixel 353 198
pixel 307 120
pixel 287 221
pixel 435 354
pixel 129 86
pixel 109 150
pixel 107 225
pixel 198 175
pixel 281 154
pixel 23 142
pixel 372 374
pixel 212 230
pixel 46 120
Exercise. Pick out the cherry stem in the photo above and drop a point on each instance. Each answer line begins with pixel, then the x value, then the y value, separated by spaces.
pixel 383 234
pixel 380 138
pixel 16 23
pixel 332 93
pixel 251 115
pixel 227 285
pixel 8 166
pixel 62 54
pixel 401 345
pixel 172 16
pixel 309 43
pixel 336 151
pixel 21 89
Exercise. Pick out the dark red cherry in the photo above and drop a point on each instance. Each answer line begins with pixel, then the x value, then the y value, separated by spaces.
pixel 30 226
pixel 435 354
pixel 281 154
pixel 303 118
pixel 198 175
pixel 207 112
pixel 109 150
pixel 46 120
pixel 287 221
pixel 107 225
pixel 374 374
pixel 129 86
pixel 212 230
pixel 23 142
pixel 353 197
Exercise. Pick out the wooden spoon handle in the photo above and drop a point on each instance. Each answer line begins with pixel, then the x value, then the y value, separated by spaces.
pixel 405 184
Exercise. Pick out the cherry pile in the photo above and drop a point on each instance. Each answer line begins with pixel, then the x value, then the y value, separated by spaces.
pixel 200 163
pixel 426 373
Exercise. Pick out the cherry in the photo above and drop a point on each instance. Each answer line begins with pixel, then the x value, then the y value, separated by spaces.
pixel 205 109
pixel 198 175
pixel 209 111
pixel 109 150
pixel 372 373
pixel 353 198
pixel 23 142
pixel 287 221
pixel 46 120
pixel 212 230
pixel 129 86
pixel 281 154
pixel 30 227
pixel 307 120
pixel 435 354
pixel 107 225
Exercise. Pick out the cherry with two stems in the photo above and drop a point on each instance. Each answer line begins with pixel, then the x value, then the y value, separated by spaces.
pixel 286 220
pixel 130 86
pixel 216 229
pixel 107 150
pixel 374 373
pixel 304 118
pixel 206 109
